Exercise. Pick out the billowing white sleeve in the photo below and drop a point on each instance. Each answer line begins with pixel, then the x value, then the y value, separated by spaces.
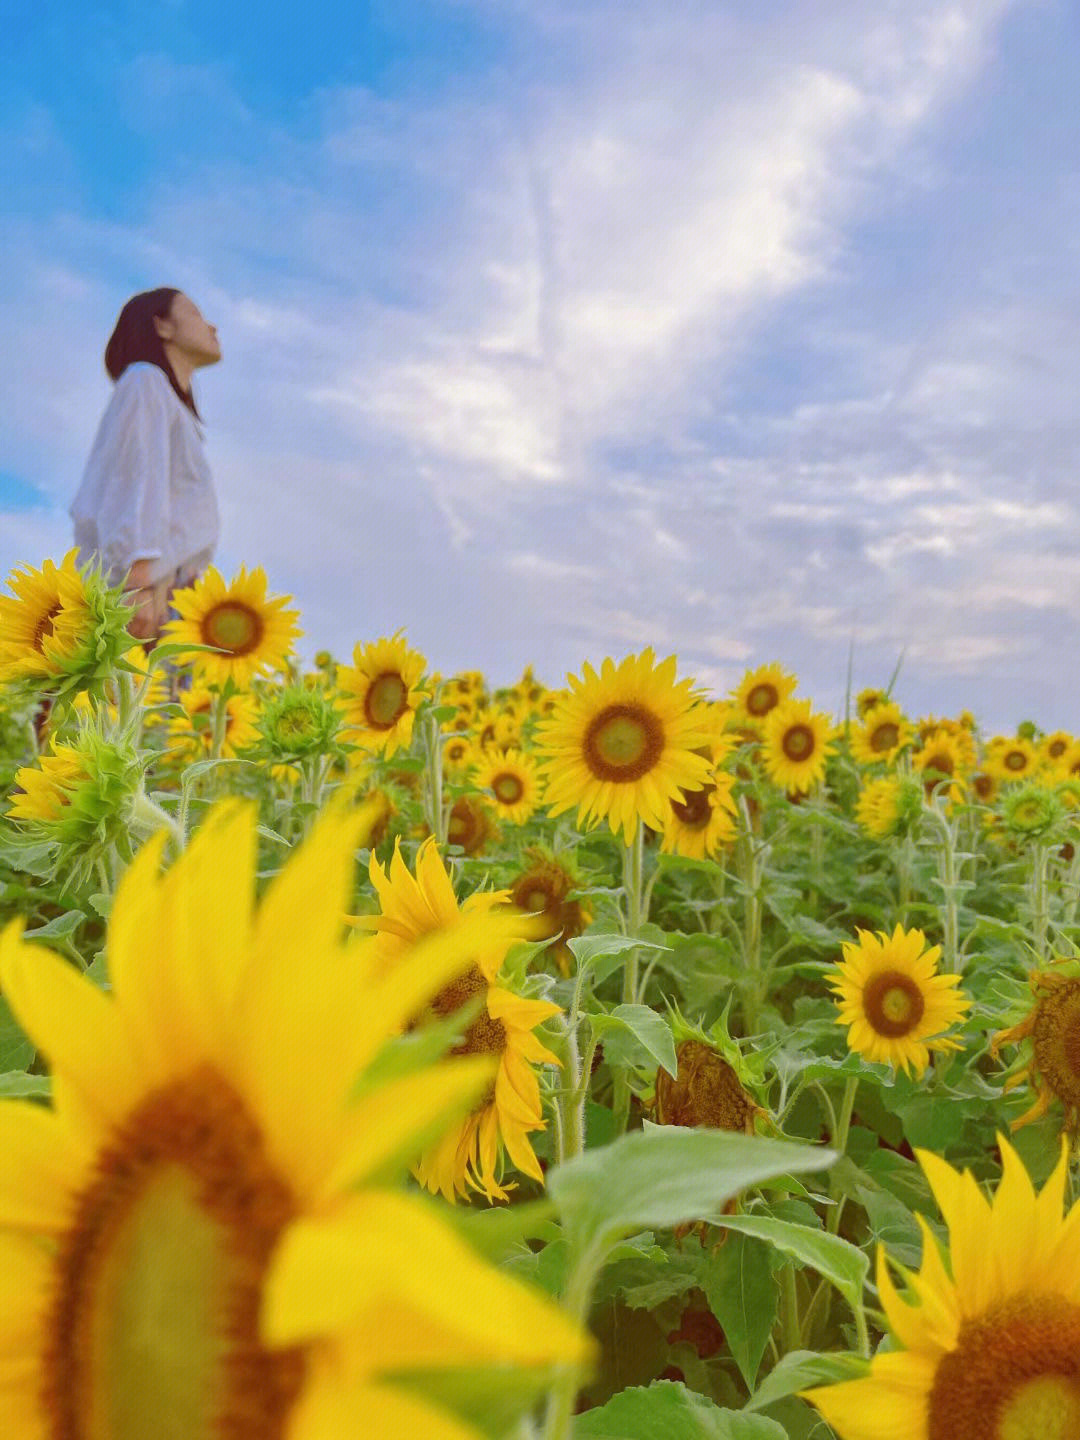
pixel 134 471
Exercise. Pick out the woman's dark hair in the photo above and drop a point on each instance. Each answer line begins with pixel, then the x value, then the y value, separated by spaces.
pixel 135 337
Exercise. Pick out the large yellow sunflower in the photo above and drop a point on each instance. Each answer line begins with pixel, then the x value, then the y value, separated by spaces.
pixel 514 782
pixel 990 1332
pixel 45 622
pixel 798 743
pixel 882 735
pixel 622 744
pixel 199 1238
pixel 468 1156
pixel 252 632
pixel 381 691
pixel 892 999
pixel 701 822
pixel 760 691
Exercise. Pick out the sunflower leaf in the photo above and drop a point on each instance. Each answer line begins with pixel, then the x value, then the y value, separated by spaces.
pixel 834 1258
pixel 667 1410
pixel 799 1369
pixel 648 1033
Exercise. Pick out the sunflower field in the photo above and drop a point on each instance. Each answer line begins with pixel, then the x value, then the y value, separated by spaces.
pixel 389 1054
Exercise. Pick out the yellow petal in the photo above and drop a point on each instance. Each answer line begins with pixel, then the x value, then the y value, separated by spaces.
pixel 43 1167
pixel 27 1281
pixel 888 1404
pixel 335 1405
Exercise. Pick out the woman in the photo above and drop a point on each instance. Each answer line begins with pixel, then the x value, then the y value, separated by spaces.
pixel 146 507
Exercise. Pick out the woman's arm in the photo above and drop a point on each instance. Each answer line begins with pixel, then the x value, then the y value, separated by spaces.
pixel 150 601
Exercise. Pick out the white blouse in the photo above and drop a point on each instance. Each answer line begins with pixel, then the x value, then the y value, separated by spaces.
pixel 147 492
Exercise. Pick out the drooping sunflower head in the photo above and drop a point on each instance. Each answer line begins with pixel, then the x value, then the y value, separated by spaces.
pixel 798 743
pixel 62 630
pixel 883 734
pixel 892 999
pixel 43 791
pixel 252 633
pixel 472 824
pixel 514 781
pixel 707 1092
pixel 760 691
pixel 986 1342
pixel 1052 1062
pixel 623 743
pixel 381 692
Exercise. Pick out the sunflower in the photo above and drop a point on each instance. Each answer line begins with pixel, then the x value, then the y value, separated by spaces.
pixel 411 907
pixel 893 1000
pixel 868 699
pixel 622 744
pixel 251 632
pixel 941 762
pixel 708 1092
pixel 888 804
pixel 496 729
pixel 45 622
pixel 1013 759
pixel 882 735
pixel 761 690
pixel 381 691
pixel 990 1333
pixel 458 754
pixel 1053 1027
pixel 44 790
pixel 984 787
pixel 1054 747
pixel 199 1238
pixel 514 782
pixel 701 822
pixel 189 735
pixel 471 824
pixel 543 889
pixel 797 745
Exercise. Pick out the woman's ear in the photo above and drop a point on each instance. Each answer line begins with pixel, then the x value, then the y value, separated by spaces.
pixel 164 327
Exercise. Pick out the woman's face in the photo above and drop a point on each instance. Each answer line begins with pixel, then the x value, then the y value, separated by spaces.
pixel 189 333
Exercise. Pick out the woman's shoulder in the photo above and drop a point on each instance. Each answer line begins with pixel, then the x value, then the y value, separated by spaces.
pixel 142 377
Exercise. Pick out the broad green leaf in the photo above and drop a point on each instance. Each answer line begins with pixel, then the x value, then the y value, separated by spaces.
pixel 16 1052
pixel 742 1294
pixel 590 951
pixel 651 1033
pixel 666 1176
pixel 16 1084
pixel 801 1369
pixel 666 1410
pixel 61 928
pixel 834 1258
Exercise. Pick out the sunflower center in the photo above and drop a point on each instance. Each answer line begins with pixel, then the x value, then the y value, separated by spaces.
pixel 233 627
pixel 884 737
pixel 893 1003
pixel 762 698
pixel 694 809
pixel 983 785
pixel 44 628
pixel 467 826
pixel 508 788
pixel 623 743
pixel 1015 760
pixel 1056 1035
pixel 798 742
pixel 707 1092
pixel 1014 1375
pixel 941 762
pixel 486 1035
pixel 386 701
pixel 153 1329
pixel 1057 748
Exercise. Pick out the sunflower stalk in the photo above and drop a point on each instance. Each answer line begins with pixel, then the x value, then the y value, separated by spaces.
pixel 749 861
pixel 1070 889
pixel 1039 887
pixel 951 887
pixel 437 815
pixel 636 915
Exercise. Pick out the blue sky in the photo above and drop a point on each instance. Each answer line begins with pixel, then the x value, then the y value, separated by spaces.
pixel 556 329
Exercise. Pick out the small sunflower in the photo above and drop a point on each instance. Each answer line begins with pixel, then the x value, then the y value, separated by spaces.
pixel 892 999
pixel 44 790
pixel 1053 1027
pixel 471 824
pixel 1030 812
pixel 468 1157
pixel 543 890
pixel 202 1237
pixel 984 787
pixel 1054 747
pixel 496 728
pixel 987 1341
pixel 190 735
pixel 296 722
pixel 882 735
pixel 458 754
pixel 888 805
pixel 760 691
pixel 941 763
pixel 623 743
pixel 869 699
pixel 797 745
pixel 701 822
pixel 381 691
pixel 1011 760
pixel 514 782
pixel 252 632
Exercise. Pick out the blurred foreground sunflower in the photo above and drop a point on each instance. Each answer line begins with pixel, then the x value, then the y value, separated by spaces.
pixel 200 1239
pixel 990 1330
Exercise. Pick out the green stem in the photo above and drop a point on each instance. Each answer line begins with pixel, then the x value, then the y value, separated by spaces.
pixel 437 818
pixel 840 1139
pixel 1040 901
pixel 789 1310
pixel 633 871
pixel 559 1417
